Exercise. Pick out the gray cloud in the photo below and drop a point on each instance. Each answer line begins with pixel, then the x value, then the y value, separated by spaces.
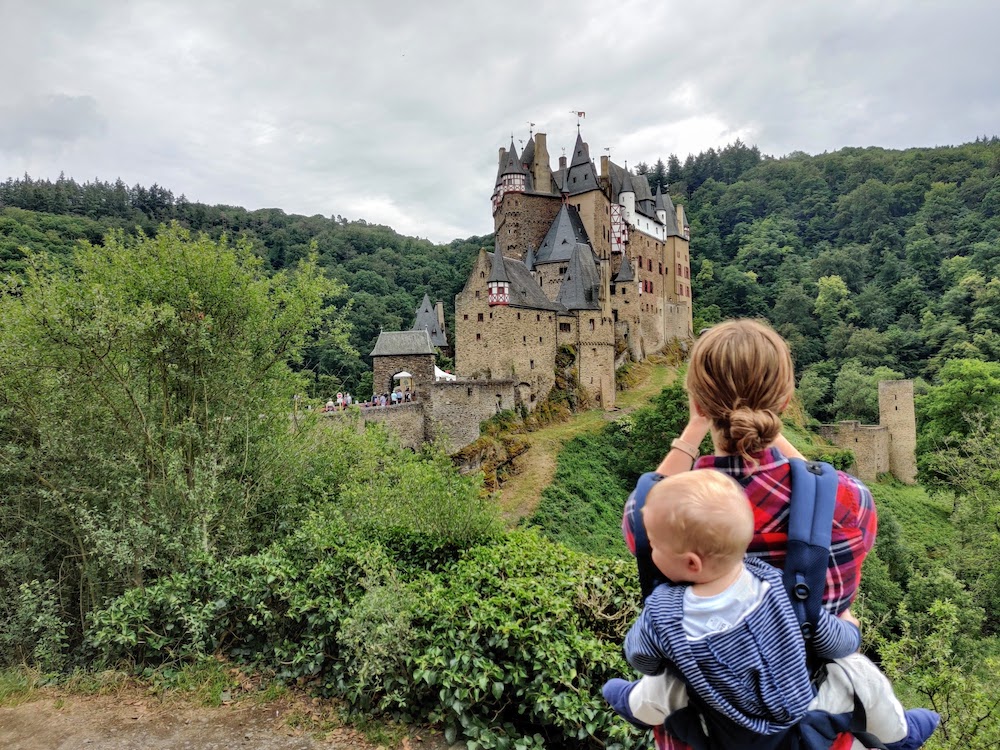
pixel 393 112
pixel 46 121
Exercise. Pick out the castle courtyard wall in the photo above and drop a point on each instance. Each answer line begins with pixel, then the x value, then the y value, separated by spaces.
pixel 420 366
pixel 458 407
pixel 870 444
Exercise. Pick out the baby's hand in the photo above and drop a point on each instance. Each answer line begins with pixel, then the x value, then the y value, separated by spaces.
pixel 849 617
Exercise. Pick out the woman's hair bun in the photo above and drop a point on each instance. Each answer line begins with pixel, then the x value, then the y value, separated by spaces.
pixel 750 431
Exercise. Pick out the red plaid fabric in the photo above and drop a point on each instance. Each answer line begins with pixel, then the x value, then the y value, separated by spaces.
pixel 768 490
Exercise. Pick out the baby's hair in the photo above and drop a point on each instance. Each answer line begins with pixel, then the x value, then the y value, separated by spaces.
pixel 702 511
pixel 741 376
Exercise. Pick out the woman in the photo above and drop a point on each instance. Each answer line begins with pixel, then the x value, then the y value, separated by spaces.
pixel 739 381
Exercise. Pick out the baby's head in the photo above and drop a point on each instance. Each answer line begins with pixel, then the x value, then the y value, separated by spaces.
pixel 699 525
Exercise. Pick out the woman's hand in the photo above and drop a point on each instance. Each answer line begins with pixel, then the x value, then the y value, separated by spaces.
pixel 677 460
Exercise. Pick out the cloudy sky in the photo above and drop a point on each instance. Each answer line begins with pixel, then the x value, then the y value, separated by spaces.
pixel 393 111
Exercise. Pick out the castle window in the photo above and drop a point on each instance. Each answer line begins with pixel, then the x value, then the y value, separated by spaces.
pixel 480 317
pixel 465 317
pixel 593 351
pixel 539 339
pixel 479 337
pixel 538 318
pixel 591 324
pixel 524 339
pixel 613 287
pixel 650 287
pixel 679 270
pixel 565 327
pixel 661 268
pixel 519 316
pixel 532 364
pixel 468 391
pixel 650 265
pixel 477 294
pixel 532 397
pixel 482 274
pixel 491 316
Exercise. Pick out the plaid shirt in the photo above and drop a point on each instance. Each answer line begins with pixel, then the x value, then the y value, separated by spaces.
pixel 768 490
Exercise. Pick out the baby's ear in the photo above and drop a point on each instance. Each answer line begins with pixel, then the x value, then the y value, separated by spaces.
pixel 693 563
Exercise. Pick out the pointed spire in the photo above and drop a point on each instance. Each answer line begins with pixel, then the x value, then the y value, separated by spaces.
pixel 578 290
pixel 625 273
pixel 513 165
pixel 626 183
pixel 499 270
pixel 529 258
pixel 658 205
pixel 425 306
pixel 580 152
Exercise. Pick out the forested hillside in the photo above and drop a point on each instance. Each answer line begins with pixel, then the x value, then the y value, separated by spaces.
pixel 386 274
pixel 862 258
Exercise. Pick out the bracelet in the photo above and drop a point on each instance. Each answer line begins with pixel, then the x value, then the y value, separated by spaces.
pixel 685 447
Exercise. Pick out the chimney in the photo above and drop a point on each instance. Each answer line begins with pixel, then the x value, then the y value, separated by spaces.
pixel 562 162
pixel 439 309
pixel 501 156
pixel 604 167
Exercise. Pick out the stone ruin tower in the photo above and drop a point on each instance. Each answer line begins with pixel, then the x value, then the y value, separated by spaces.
pixel 896 412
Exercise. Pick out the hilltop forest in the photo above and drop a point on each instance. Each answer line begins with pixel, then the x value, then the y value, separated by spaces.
pixel 157 511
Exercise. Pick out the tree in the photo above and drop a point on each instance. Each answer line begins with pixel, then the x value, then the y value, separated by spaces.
pixel 833 304
pixel 145 390
pixel 855 391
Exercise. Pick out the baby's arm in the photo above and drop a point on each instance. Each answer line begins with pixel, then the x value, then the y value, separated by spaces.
pixel 835 637
pixel 646 702
pixel 642 646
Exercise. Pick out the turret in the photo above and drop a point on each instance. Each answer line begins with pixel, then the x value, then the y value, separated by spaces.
pixel 661 208
pixel 499 281
pixel 513 176
pixel 626 196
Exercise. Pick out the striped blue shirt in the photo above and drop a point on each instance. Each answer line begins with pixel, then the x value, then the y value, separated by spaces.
pixel 754 672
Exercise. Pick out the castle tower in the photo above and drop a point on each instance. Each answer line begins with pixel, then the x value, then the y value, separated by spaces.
pixel 896 412
pixel 661 208
pixel 626 197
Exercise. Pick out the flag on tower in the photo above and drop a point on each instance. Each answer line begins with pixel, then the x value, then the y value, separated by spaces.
pixel 581 114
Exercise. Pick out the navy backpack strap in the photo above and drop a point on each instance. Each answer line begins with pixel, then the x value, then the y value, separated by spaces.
pixel 649 576
pixel 810 527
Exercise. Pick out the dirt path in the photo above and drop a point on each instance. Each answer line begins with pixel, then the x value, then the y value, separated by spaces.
pixel 521 492
pixel 130 720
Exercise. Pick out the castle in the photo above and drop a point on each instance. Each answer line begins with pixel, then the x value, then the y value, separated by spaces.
pixel 585 260
pixel 888 447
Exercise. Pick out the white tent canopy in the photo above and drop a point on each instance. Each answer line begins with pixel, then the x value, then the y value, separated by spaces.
pixel 401 375
pixel 440 374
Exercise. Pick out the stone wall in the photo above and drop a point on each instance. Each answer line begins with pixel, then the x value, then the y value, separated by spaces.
pixel 420 366
pixel 870 444
pixel 406 421
pixel 596 357
pixel 896 411
pixel 505 342
pixel 523 219
pixel 458 407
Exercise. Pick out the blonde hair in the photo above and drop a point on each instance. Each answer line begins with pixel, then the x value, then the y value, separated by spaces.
pixel 742 378
pixel 702 511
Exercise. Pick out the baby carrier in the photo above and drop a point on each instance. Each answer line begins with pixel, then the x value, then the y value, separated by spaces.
pixel 810 524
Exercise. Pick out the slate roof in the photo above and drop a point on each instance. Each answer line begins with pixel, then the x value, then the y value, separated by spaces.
pixel 529 153
pixel 524 290
pixel 672 229
pixel 580 287
pixel 498 270
pixel 396 343
pixel 513 165
pixel 625 273
pixel 581 176
pixel 529 258
pixel 427 320
pixel 565 232
pixel 626 184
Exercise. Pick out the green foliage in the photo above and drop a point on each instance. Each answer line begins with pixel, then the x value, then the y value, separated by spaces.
pixel 929 662
pixel 144 393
